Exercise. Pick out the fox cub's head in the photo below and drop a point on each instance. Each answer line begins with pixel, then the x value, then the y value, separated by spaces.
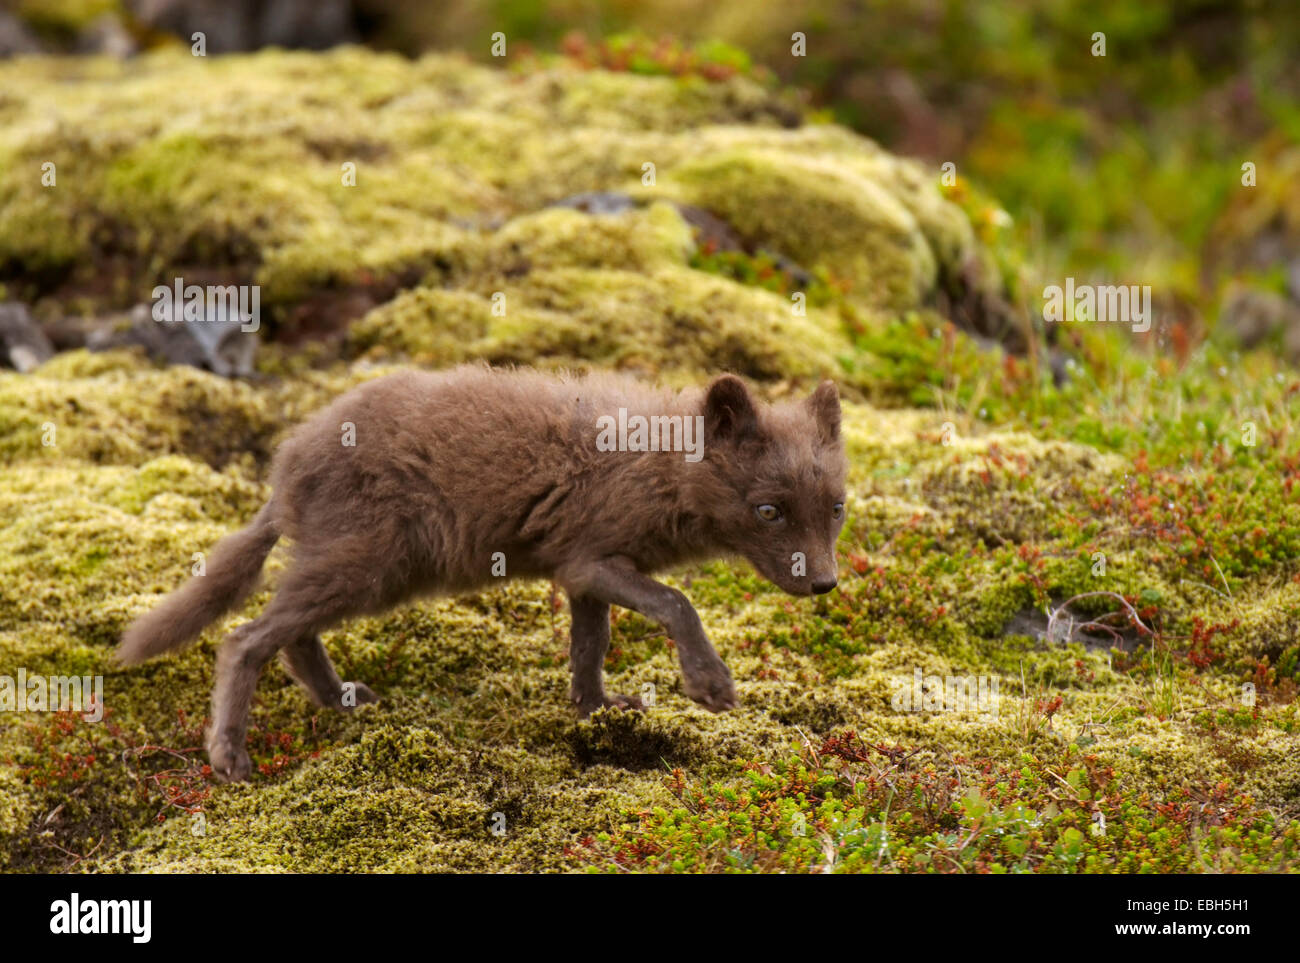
pixel 775 489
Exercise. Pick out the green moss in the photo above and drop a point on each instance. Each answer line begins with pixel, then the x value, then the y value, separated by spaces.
pixel 120 413
pixel 670 318
pixel 822 215
pixel 238 163
pixel 63 19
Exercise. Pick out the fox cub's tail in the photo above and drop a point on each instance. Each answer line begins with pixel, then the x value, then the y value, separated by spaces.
pixel 231 576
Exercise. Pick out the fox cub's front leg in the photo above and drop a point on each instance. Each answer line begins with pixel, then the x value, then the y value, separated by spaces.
pixel 589 641
pixel 705 676
pixel 309 664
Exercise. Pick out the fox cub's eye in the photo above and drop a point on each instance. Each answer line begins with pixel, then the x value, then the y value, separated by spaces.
pixel 768 513
pixel 837 511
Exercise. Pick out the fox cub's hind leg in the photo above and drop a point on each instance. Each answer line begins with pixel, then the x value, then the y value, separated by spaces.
pixel 306 660
pixel 315 594
pixel 239 663
pixel 589 641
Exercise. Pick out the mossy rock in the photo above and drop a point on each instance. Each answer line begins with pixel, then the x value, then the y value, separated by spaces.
pixel 310 172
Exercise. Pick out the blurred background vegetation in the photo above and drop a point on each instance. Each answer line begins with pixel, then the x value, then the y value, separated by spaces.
pixel 1126 167
pixel 1125 164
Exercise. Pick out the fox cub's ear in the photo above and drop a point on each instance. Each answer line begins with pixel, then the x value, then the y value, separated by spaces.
pixel 729 413
pixel 824 403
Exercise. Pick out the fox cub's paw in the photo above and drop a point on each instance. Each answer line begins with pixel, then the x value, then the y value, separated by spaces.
pixel 230 762
pixel 711 687
pixel 356 694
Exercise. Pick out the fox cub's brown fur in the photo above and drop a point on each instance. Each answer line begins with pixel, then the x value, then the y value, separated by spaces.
pixel 446 470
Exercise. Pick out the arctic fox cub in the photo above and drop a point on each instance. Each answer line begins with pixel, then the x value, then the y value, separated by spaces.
pixel 422 482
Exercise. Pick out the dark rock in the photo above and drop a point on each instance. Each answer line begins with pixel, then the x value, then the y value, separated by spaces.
pixel 15 38
pixel 1253 316
pixel 598 202
pixel 218 345
pixel 106 35
pixel 234 25
pixel 23 345
pixel 710 229
pixel 967 299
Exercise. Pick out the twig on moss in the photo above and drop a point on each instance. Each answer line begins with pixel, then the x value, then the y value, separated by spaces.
pixel 1094 624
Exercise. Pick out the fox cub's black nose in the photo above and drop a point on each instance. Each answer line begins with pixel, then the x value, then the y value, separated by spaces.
pixel 821 588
